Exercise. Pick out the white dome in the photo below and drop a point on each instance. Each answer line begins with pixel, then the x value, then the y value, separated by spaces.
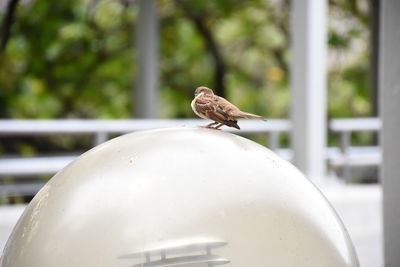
pixel 179 197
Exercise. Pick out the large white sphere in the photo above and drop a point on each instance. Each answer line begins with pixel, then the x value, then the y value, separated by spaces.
pixel 165 195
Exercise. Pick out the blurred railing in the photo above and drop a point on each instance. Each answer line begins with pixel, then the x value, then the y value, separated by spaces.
pixel 101 129
pixel 349 155
pixel 345 156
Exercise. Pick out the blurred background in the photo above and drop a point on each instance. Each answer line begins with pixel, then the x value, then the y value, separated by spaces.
pixel 86 59
pixel 77 59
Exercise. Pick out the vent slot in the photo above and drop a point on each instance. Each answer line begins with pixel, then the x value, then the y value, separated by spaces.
pixel 190 254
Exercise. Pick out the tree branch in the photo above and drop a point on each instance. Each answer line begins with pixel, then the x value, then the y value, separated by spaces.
pixel 212 47
pixel 7 24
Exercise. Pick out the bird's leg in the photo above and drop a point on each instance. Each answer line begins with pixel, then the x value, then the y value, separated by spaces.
pixel 210 125
pixel 218 126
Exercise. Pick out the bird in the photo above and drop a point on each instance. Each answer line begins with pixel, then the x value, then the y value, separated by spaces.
pixel 209 106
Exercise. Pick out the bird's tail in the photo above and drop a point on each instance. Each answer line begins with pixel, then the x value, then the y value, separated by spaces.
pixel 251 116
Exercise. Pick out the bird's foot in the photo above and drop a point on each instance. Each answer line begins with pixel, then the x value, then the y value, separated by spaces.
pixel 209 126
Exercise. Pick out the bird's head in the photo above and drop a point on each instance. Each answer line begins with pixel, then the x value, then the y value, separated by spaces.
pixel 204 90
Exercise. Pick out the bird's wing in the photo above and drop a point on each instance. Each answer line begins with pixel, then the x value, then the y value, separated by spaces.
pixel 214 108
pixel 231 111
pixel 209 108
pixel 234 112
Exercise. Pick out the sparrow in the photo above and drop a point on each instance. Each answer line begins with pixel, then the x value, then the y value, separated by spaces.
pixel 209 106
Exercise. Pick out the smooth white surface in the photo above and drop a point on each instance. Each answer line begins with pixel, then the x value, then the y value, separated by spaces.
pixel 156 188
pixel 359 206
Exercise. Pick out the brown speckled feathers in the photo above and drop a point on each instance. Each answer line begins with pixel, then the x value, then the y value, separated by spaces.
pixel 209 106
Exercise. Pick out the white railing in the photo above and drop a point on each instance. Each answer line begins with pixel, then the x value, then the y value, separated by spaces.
pixel 103 128
pixel 344 156
pixel 349 155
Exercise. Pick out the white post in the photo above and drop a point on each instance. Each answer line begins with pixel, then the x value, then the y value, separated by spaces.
pixel 146 93
pixel 389 94
pixel 308 85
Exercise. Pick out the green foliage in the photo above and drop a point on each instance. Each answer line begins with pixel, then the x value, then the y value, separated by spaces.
pixel 349 89
pixel 252 38
pixel 68 59
pixel 77 58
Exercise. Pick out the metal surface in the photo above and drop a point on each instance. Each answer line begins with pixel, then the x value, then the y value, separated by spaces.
pixel 389 83
pixel 159 188
pixel 308 86
pixel 146 80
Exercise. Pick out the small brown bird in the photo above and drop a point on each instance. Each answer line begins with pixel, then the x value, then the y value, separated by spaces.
pixel 208 106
